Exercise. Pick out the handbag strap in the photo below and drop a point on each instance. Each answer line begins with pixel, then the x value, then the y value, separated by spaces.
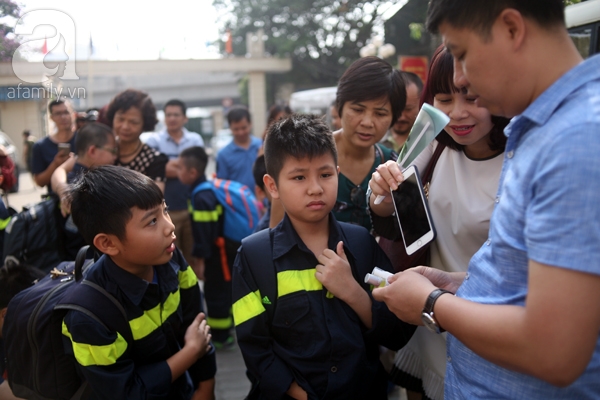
pixel 426 177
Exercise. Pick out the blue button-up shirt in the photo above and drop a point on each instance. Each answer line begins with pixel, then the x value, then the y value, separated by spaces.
pixel 547 211
pixel 235 163
pixel 175 191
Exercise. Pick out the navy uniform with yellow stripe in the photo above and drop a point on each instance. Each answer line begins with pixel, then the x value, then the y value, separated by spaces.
pixel 159 314
pixel 313 338
pixel 218 254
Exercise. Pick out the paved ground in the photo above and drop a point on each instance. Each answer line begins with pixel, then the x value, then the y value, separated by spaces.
pixel 231 381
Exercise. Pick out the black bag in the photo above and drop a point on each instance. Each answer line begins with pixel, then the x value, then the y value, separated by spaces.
pixel 36 236
pixel 37 365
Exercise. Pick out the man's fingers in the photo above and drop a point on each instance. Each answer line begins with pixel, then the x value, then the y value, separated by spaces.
pixel 379 293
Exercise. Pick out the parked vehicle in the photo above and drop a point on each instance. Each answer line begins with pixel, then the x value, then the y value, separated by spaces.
pixel 313 101
pixel 583 23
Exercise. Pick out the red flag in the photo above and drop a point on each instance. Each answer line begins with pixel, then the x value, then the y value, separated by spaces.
pixel 45 47
pixel 229 43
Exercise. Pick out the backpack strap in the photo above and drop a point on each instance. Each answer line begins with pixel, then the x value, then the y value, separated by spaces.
pixel 428 173
pixel 259 246
pixel 354 239
pixel 86 296
pixel 202 186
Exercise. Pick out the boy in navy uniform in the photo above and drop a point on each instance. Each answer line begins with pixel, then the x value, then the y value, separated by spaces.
pixel 321 339
pixel 212 253
pixel 122 213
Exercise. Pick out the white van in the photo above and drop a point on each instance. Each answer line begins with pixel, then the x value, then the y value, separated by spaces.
pixel 583 23
pixel 313 101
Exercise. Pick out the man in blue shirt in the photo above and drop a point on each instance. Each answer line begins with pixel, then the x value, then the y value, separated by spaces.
pixel 525 321
pixel 46 156
pixel 172 141
pixel 235 161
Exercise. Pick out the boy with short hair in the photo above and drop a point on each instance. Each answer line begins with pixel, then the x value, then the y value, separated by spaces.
pixel 213 254
pixel 95 145
pixel 122 213
pixel 320 337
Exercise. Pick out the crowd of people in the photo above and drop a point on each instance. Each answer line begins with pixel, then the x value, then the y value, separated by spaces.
pixel 502 304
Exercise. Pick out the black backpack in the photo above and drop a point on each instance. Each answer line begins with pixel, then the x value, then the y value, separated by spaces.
pixel 37 365
pixel 35 236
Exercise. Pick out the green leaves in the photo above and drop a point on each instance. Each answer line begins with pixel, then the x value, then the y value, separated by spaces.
pixel 322 37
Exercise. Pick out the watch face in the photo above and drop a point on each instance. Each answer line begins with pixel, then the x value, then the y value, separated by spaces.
pixel 429 323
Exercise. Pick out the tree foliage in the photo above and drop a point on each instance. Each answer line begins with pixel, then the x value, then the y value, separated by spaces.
pixel 9 14
pixel 323 37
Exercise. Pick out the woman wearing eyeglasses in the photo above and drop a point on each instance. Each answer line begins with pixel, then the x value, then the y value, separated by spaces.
pixel 370 98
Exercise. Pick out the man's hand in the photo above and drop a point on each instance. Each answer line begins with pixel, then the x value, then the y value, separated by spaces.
pixel 405 296
pixel 441 279
pixel 61 157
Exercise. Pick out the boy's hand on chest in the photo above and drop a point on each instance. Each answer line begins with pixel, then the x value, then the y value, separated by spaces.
pixel 334 271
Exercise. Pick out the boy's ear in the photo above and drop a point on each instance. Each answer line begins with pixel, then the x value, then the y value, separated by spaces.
pixel 338 169
pixel 271 186
pixel 91 151
pixel 107 244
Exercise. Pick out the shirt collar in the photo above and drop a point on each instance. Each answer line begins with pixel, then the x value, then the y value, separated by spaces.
pixel 200 180
pixel 285 237
pixel 168 137
pixel 134 287
pixel 542 108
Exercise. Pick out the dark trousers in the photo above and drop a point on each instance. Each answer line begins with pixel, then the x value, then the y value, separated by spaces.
pixel 217 289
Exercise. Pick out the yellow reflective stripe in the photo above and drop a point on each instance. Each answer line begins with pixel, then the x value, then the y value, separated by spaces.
pixel 4 223
pixel 187 278
pixel 88 354
pixel 152 319
pixel 247 308
pixel 219 323
pixel 295 281
pixel 207 216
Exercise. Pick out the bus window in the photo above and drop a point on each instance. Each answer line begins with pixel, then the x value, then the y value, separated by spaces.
pixel 583 22
pixel 582 38
pixel 597 49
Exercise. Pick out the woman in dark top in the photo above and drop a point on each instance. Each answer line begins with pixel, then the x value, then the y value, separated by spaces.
pixel 370 98
pixel 130 113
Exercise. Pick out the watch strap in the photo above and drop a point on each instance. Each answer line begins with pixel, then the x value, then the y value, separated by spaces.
pixel 430 302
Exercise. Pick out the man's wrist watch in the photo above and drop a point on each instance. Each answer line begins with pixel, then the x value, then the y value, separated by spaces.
pixel 427 315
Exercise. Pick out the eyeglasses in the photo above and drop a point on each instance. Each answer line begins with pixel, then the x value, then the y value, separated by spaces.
pixel 113 150
pixel 60 113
